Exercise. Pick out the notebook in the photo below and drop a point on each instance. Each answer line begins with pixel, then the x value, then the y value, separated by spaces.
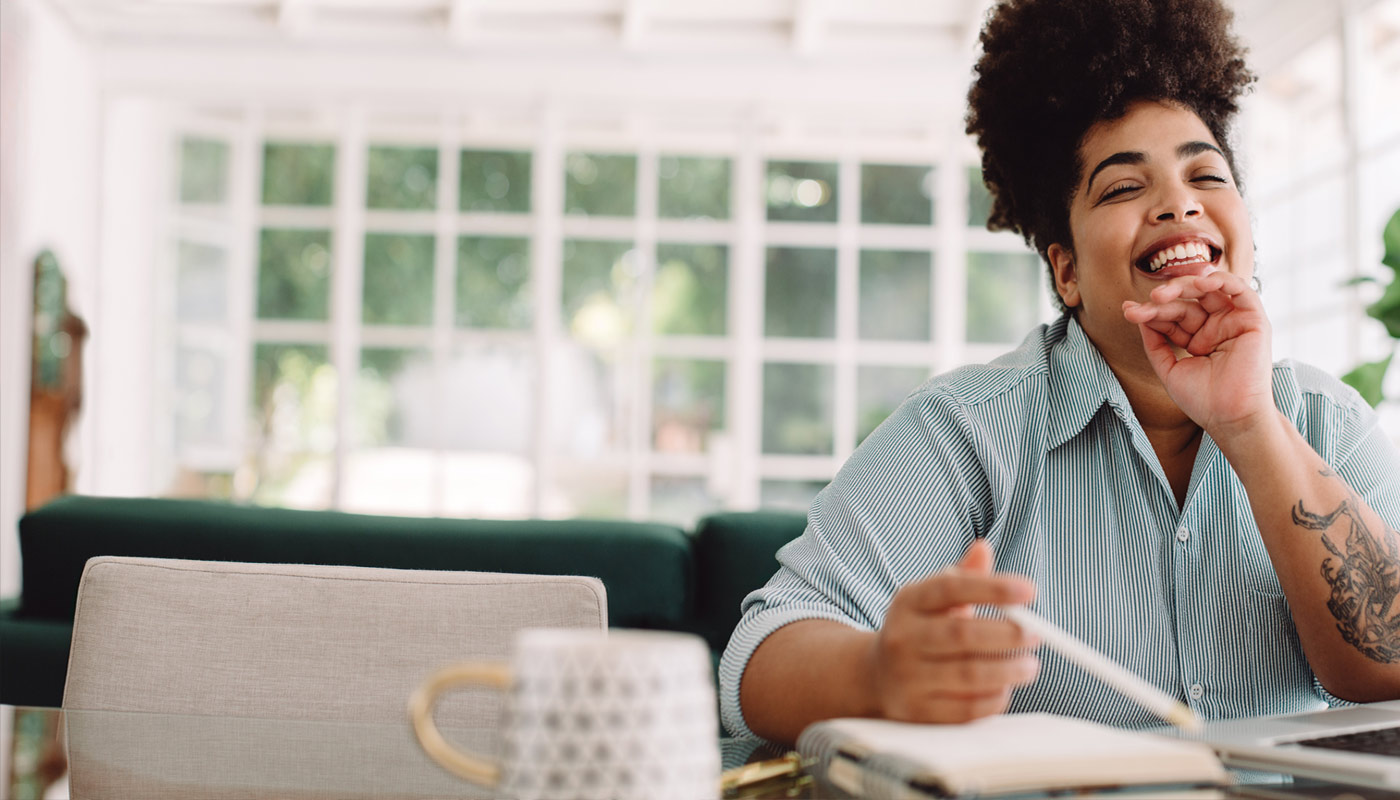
pixel 1004 756
pixel 1358 745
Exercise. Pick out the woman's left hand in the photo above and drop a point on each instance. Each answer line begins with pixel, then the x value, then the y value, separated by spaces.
pixel 1223 382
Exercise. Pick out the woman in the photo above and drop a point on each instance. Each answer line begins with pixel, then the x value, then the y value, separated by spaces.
pixel 1138 472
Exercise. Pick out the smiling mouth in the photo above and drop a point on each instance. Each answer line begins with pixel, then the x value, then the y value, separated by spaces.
pixel 1179 255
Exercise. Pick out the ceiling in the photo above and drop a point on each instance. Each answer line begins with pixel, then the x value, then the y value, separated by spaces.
pixel 813 29
pixel 846 61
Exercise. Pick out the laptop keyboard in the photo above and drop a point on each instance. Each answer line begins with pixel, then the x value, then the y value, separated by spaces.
pixel 1384 741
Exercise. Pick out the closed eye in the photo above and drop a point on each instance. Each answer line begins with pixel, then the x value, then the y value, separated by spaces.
pixel 1209 179
pixel 1121 189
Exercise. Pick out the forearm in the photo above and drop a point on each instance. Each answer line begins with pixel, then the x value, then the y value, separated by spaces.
pixel 1336 559
pixel 807 671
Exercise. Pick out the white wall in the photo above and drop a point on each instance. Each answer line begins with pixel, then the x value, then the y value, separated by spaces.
pixel 49 134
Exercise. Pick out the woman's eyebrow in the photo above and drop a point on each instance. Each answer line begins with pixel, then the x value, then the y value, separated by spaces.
pixel 1125 157
pixel 1183 150
pixel 1188 149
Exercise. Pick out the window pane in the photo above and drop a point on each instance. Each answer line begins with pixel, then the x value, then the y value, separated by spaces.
pixel 680 500
pixel 294 274
pixel 402 177
pixel 800 292
pixel 493 282
pixel 895 286
pixel 979 200
pixel 600 185
pixel 294 391
pixel 489 390
pixel 298 174
pixel 495 180
pixel 587 490
pixel 691 291
pixel 201 282
pixel 487 486
pixel 1002 301
pixel 599 282
pixel 896 195
pixel 398 286
pixel 797 408
pixel 693 188
pixel 801 191
pixel 789 495
pixel 879 391
pixel 590 402
pixel 390 470
pixel 394 384
pixel 687 404
pixel 203 171
pixel 199 397
pixel 389 480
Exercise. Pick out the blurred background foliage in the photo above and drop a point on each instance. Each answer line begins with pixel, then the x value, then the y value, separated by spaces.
pixel 398 279
pixel 1369 378
pixel 495 181
pixel 802 191
pixel 600 185
pixel 297 174
pixel 693 188
pixel 493 282
pixel 294 274
pixel 402 178
pixel 691 290
pixel 893 194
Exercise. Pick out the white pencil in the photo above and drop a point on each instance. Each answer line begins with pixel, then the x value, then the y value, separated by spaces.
pixel 1137 689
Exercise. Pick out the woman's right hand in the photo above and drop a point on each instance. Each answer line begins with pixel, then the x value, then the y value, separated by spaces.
pixel 936 662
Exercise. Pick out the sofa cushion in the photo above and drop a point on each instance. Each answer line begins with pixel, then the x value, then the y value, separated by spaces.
pixel 645 567
pixel 33 659
pixel 735 553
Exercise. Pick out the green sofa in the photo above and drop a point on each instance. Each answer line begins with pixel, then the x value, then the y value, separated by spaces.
pixel 657 576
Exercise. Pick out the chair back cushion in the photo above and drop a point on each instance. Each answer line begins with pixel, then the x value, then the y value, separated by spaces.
pixel 301 641
pixel 736 553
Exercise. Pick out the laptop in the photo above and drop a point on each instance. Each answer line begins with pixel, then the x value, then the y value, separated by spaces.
pixel 1358 745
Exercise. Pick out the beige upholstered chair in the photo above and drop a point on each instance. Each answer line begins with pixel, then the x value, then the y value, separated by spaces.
pixel 325 645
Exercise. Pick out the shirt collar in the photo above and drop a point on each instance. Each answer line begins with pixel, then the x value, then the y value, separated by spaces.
pixel 1080 383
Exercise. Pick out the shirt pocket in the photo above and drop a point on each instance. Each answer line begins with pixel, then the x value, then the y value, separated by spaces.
pixel 1253 567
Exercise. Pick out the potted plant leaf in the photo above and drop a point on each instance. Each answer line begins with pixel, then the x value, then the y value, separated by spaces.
pixel 1369 378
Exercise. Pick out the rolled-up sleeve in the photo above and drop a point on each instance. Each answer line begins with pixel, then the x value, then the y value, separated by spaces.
pixel 908 502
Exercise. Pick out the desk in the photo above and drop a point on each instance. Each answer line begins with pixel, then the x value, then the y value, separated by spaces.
pixel 114 755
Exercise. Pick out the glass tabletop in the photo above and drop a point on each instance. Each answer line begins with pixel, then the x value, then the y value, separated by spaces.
pixel 113 754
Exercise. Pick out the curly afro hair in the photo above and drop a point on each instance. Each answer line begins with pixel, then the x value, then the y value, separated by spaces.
pixel 1051 69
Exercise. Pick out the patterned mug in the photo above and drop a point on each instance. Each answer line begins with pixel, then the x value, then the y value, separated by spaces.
pixel 590 714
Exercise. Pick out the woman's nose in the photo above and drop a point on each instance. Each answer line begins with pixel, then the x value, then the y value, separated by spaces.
pixel 1176 203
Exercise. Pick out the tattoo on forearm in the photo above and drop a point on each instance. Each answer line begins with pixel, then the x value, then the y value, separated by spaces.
pixel 1365 578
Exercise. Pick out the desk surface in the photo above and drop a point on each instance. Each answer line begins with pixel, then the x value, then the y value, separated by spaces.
pixel 123 754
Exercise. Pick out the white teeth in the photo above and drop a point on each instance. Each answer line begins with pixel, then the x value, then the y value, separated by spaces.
pixel 1187 253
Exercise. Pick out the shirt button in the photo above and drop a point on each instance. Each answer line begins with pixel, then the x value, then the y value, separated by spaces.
pixel 1182 534
pixel 1197 691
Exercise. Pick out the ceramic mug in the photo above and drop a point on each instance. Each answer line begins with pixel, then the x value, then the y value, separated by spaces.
pixel 590 714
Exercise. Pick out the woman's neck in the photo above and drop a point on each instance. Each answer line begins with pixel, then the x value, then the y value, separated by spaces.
pixel 1175 438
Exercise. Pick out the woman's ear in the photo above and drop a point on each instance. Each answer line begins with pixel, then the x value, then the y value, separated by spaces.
pixel 1066 280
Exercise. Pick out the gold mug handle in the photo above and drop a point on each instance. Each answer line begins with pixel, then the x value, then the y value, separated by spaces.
pixel 466 765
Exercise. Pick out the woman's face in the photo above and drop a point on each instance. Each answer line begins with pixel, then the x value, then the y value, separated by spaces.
pixel 1156 201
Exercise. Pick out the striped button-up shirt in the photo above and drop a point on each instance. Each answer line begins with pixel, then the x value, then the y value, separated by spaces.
pixel 1040 453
